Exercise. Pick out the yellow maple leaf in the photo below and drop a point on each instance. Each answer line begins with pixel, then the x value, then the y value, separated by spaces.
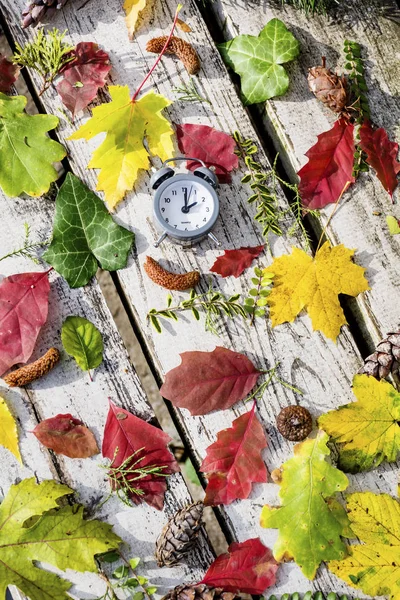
pixel 303 282
pixel 122 154
pixel 132 9
pixel 8 430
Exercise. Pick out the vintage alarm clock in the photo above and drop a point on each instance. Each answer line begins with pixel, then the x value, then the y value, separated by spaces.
pixel 186 205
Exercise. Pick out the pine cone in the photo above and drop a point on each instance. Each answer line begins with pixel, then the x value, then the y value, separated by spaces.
pixel 385 360
pixel 183 50
pixel 179 535
pixel 328 87
pixel 199 591
pixel 36 10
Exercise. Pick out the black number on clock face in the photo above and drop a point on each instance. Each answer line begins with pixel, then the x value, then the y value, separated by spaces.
pixel 167 200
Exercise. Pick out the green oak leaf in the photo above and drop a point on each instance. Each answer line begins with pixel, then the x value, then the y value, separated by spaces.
pixel 82 340
pixel 27 154
pixel 33 529
pixel 310 520
pixel 258 60
pixel 85 235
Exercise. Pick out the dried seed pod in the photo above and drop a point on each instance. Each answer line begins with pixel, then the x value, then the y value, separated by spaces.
pixel 328 87
pixel 179 535
pixel 294 423
pixel 199 591
pixel 35 370
pixel 168 280
pixel 183 50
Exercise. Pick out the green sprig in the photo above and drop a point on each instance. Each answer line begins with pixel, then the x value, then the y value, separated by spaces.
pixel 46 54
pixel 310 7
pixel 256 302
pixel 28 249
pixel 125 578
pixel 189 93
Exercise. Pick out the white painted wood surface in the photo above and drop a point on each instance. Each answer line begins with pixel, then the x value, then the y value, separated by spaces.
pixel 320 368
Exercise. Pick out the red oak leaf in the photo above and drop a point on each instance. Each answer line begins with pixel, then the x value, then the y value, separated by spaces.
pixel 249 567
pixel 206 381
pixel 8 74
pixel 329 171
pixel 381 155
pixel 67 435
pixel 234 461
pixel 83 76
pixel 234 262
pixel 23 310
pixel 215 148
pixel 128 436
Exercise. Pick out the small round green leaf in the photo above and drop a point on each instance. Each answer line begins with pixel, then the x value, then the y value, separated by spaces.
pixel 82 340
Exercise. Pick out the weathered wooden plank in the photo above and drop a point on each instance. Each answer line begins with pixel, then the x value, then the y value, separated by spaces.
pixel 68 389
pixel 320 368
pixel 294 120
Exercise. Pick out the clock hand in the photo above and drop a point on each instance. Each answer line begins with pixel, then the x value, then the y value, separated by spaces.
pixel 191 206
pixel 185 208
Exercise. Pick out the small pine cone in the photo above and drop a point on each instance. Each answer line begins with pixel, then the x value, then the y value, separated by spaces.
pixel 385 360
pixel 294 423
pixel 36 10
pixel 328 87
pixel 183 50
pixel 179 535
pixel 168 280
pixel 199 591
pixel 35 370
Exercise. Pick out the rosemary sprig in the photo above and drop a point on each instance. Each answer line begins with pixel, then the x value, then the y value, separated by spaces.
pixel 189 93
pixel 46 54
pixel 271 374
pixel 28 250
pixel 213 304
pixel 310 7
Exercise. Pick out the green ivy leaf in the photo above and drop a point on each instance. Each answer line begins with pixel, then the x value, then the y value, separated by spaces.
pixel 26 152
pixel 258 60
pixel 82 340
pixel 85 235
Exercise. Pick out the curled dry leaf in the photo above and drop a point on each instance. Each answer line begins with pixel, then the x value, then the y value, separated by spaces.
pixel 8 74
pixel 182 49
pixel 168 280
pixel 206 381
pixel 328 87
pixel 39 368
pixel 235 262
pixel 64 434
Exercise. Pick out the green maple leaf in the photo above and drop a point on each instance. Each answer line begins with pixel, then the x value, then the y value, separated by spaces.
pixel 85 235
pixel 258 60
pixel 82 340
pixel 368 430
pixel 34 528
pixel 27 154
pixel 310 520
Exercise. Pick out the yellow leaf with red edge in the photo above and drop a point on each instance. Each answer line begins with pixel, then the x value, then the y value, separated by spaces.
pixel 132 10
pixel 314 284
pixel 8 430
pixel 127 124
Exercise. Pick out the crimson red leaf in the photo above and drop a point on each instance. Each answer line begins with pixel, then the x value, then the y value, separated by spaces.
pixel 209 145
pixel 23 311
pixel 234 461
pixel 83 76
pixel 234 262
pixel 329 170
pixel 381 155
pixel 126 435
pixel 206 381
pixel 67 435
pixel 8 74
pixel 249 568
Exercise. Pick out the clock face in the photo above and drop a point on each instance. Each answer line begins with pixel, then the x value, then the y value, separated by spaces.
pixel 186 205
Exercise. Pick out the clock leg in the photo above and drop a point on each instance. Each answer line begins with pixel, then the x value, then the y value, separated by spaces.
pixel 214 239
pixel 160 239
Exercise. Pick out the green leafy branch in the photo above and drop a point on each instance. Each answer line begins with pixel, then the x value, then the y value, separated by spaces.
pixel 28 249
pixel 124 578
pixel 189 93
pixel 257 301
pixel 46 54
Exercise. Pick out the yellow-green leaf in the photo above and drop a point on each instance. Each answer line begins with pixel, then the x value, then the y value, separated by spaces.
pixel 314 284
pixel 8 430
pixel 374 566
pixel 310 520
pixel 393 225
pixel 132 9
pixel 367 429
pixel 122 154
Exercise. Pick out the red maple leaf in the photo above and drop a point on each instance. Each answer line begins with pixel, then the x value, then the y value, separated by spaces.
pixel 213 147
pixel 8 74
pixel 329 171
pixel 126 436
pixel 234 461
pixel 83 76
pixel 206 381
pixel 234 262
pixel 381 155
pixel 66 435
pixel 249 567
pixel 23 310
